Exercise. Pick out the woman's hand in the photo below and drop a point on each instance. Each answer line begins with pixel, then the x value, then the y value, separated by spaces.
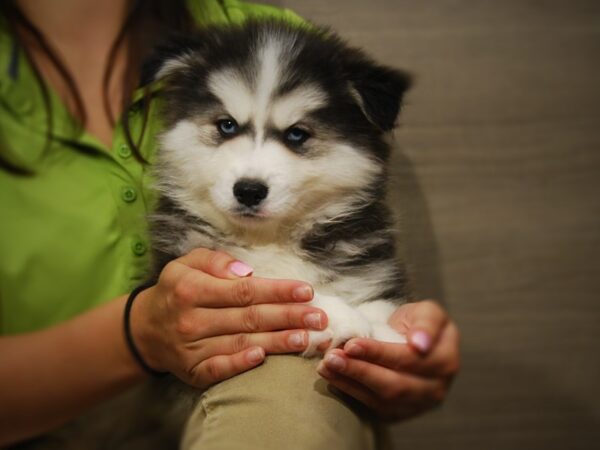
pixel 399 381
pixel 207 319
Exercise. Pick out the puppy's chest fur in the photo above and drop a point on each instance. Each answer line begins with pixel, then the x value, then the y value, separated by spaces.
pixel 356 280
pixel 350 260
pixel 277 261
pixel 280 261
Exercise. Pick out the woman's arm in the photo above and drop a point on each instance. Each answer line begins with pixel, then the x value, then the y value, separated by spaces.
pixel 205 320
pixel 50 376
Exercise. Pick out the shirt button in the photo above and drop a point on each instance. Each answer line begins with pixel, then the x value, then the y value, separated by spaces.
pixel 128 194
pixel 138 248
pixel 124 151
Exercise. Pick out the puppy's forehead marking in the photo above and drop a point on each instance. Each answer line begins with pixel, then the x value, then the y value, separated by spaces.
pixel 293 106
pixel 249 93
pixel 230 87
pixel 269 54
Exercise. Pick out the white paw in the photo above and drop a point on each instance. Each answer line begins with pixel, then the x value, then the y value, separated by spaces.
pixel 344 323
pixel 316 338
pixel 383 332
pixel 378 313
pixel 352 324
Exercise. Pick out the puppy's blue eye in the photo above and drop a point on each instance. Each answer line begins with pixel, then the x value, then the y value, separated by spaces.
pixel 227 127
pixel 296 136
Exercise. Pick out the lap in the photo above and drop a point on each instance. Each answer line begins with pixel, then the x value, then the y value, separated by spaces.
pixel 281 404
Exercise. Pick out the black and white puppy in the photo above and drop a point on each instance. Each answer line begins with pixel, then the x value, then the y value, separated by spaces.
pixel 274 151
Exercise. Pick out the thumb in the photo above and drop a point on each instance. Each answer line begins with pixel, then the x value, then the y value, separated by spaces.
pixel 426 322
pixel 216 263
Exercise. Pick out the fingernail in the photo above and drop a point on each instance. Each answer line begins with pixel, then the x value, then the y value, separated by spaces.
pixel 297 340
pixel 321 369
pixel 313 320
pixel 256 355
pixel 240 269
pixel 354 350
pixel 303 293
pixel 334 362
pixel 324 371
pixel 421 340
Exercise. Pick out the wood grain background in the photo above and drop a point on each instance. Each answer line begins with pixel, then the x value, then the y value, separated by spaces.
pixel 497 179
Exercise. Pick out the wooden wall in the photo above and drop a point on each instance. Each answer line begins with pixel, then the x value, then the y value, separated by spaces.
pixel 497 178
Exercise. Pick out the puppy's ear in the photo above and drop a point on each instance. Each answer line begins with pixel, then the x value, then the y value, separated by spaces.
pixel 175 53
pixel 379 91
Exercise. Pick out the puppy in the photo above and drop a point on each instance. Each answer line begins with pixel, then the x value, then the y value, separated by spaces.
pixel 274 151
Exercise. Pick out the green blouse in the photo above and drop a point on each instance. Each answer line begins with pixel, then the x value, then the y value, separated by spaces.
pixel 74 234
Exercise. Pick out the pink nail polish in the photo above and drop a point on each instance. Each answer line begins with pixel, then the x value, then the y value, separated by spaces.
pixel 303 293
pixel 297 340
pixel 335 362
pixel 239 269
pixel 354 350
pixel 256 355
pixel 421 340
pixel 313 320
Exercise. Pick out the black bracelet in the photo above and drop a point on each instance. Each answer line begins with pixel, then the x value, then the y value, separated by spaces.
pixel 129 338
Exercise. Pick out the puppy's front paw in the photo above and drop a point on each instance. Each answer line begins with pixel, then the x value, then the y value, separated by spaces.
pixel 344 323
pixel 316 339
pixel 384 332
pixel 378 313
pixel 349 325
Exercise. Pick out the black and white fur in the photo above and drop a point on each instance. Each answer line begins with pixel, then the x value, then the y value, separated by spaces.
pixel 323 219
pixel 274 151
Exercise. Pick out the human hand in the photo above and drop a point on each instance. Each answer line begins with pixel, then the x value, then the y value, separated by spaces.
pixel 207 319
pixel 399 381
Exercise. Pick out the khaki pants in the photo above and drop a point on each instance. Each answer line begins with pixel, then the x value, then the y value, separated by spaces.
pixel 283 404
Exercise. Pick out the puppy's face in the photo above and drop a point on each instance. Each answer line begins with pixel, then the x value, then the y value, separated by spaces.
pixel 268 131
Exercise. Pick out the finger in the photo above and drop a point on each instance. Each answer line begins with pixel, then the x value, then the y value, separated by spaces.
pixel 323 346
pixel 390 406
pixel 354 390
pixel 216 263
pixel 201 323
pixel 340 385
pixel 442 361
pixel 221 367
pixel 386 384
pixel 289 341
pixel 347 385
pixel 199 289
pixel 393 356
pixel 426 320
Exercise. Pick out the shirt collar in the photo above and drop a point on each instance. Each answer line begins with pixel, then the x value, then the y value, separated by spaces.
pixel 21 95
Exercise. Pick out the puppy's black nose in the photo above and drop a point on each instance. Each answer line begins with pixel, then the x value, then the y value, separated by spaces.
pixel 250 192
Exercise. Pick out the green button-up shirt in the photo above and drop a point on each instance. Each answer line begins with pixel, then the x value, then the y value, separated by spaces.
pixel 74 234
